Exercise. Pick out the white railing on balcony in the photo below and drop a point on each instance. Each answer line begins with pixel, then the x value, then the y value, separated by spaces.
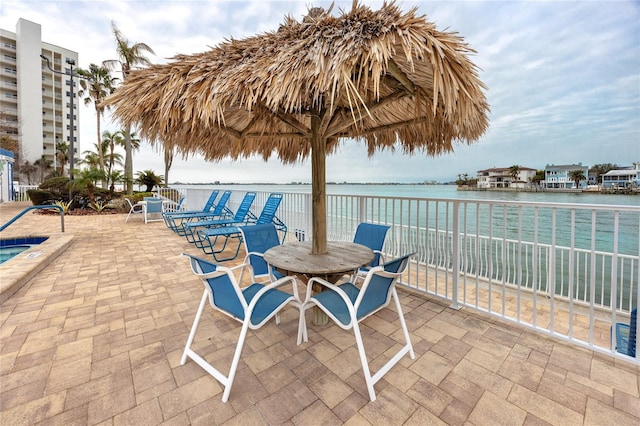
pixel 555 268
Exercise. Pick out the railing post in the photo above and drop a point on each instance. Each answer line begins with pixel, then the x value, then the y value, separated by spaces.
pixel 362 209
pixel 455 250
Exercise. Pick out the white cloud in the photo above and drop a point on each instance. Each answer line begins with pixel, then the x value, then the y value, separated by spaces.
pixel 563 78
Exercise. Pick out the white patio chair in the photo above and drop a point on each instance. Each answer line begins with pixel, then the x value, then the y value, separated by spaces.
pixel 348 305
pixel 253 306
pixel 134 209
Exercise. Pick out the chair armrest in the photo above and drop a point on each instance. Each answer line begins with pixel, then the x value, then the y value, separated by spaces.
pixel 282 281
pixel 328 285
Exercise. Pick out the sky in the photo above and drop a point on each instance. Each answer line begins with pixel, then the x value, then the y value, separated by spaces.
pixel 563 79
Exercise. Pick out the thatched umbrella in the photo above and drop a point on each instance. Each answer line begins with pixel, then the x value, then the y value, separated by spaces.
pixel 385 78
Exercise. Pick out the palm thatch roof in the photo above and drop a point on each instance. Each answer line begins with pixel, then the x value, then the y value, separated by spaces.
pixel 384 77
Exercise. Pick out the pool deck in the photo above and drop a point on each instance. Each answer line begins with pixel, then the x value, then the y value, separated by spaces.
pixel 97 335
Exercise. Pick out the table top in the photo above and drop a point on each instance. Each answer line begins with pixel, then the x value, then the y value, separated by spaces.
pixel 341 257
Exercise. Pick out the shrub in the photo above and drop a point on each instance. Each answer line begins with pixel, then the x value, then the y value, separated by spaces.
pixel 39 197
pixel 58 186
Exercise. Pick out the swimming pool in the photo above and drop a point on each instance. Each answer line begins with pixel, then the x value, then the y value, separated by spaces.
pixel 11 247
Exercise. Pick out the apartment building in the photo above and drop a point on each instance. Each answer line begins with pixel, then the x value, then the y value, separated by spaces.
pixel 35 103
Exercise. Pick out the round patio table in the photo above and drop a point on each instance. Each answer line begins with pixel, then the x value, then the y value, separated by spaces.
pixel 296 259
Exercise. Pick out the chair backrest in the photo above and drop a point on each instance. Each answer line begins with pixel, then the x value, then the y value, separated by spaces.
pixel 258 239
pixel 224 293
pixel 180 203
pixel 631 349
pixel 222 204
pixel 372 236
pixel 270 208
pixel 210 202
pixel 244 207
pixel 377 287
pixel 154 204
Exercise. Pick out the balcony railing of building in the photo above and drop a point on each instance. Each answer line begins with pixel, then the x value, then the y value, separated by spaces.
pixel 564 270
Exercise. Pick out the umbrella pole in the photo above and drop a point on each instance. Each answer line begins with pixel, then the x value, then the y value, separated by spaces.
pixel 318 189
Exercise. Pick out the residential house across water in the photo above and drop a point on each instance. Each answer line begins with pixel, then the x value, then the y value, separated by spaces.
pixel 558 177
pixel 503 177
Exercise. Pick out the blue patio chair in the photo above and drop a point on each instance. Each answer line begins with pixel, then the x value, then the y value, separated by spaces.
pixel 209 237
pixel 253 306
pixel 372 236
pixel 258 239
pixel 219 210
pixel 348 305
pixel 152 206
pixel 241 215
pixel 626 335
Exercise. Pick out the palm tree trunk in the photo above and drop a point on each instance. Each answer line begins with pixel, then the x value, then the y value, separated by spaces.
pixel 99 145
pixel 168 160
pixel 128 160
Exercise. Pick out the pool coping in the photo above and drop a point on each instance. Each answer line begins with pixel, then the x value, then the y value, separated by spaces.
pixel 17 272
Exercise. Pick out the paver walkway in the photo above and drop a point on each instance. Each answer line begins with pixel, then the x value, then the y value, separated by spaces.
pixel 96 338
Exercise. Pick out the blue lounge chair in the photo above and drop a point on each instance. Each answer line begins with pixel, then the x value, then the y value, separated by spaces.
pixel 220 210
pixel 242 215
pixel 626 337
pixel 258 239
pixel 348 305
pixel 372 236
pixel 171 217
pixel 209 237
pixel 253 306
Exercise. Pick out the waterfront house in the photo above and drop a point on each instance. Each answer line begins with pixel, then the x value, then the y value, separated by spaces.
pixel 557 177
pixel 626 177
pixel 500 177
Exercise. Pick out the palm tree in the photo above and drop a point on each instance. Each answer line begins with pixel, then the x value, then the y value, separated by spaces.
pixel 114 176
pixel 112 140
pixel 43 164
pixel 129 56
pixel 27 169
pixel 62 152
pixel 96 85
pixel 149 179
pixel 514 171
pixel 168 161
pixel 88 178
pixel 576 176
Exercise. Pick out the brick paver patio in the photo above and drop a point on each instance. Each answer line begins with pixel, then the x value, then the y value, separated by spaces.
pixel 96 338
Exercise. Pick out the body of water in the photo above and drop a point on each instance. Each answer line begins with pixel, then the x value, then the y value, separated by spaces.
pixel 441 191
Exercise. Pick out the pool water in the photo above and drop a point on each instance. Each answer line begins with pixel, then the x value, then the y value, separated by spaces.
pixel 10 248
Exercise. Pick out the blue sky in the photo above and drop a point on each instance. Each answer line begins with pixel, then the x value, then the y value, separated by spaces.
pixel 563 78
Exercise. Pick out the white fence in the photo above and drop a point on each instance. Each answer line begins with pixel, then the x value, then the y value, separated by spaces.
pixel 555 268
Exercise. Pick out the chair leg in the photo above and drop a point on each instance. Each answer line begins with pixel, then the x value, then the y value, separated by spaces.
pixel 365 364
pixel 302 326
pixel 236 360
pixel 226 381
pixel 194 327
pixel 403 323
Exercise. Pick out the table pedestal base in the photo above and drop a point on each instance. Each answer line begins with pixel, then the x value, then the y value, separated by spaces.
pixel 319 317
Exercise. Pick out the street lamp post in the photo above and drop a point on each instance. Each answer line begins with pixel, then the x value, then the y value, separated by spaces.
pixel 71 63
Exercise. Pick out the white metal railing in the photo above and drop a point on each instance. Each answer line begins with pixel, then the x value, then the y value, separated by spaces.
pixel 554 268
pixel 20 192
